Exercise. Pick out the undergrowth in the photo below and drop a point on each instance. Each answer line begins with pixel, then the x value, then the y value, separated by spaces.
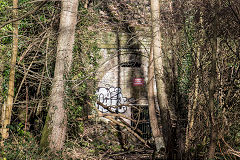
pixel 94 142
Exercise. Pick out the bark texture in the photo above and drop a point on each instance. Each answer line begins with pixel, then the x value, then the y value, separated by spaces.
pixel 156 131
pixel 212 87
pixel 213 133
pixel 165 111
pixel 7 109
pixel 54 132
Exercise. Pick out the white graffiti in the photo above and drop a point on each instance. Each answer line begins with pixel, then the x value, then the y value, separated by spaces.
pixel 111 97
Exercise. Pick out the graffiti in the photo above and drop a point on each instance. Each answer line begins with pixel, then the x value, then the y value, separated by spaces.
pixel 111 97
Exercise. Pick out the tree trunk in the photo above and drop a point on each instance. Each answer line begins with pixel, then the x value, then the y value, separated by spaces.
pixel 165 111
pixel 54 132
pixel 7 110
pixel 157 132
pixel 212 87
pixel 213 134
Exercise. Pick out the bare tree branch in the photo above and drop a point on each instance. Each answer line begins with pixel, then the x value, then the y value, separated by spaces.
pixel 130 130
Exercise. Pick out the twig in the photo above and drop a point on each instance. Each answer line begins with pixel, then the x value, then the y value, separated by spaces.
pixel 134 129
pixel 130 130
pixel 27 14
pixel 46 58
pixel 221 150
pixel 107 114
pixel 236 153
pixel 26 117
pixel 26 73
pixel 35 41
pixel 230 149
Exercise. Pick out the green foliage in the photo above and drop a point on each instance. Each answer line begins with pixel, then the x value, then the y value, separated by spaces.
pixel 4 9
pixel 187 61
pixel 6 39
pixel 24 147
pixel 44 143
pixel 95 140
pixel 22 2
pixel 21 146
pixel 185 73
pixel 190 30
pixel 5 12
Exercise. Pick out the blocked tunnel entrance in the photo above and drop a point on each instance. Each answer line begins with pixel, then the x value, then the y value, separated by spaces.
pixel 123 77
pixel 142 123
pixel 139 112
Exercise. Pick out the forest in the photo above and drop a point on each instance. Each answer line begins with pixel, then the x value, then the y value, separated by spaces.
pixel 120 79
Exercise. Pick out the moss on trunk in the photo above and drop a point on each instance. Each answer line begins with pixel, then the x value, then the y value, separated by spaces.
pixel 44 143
